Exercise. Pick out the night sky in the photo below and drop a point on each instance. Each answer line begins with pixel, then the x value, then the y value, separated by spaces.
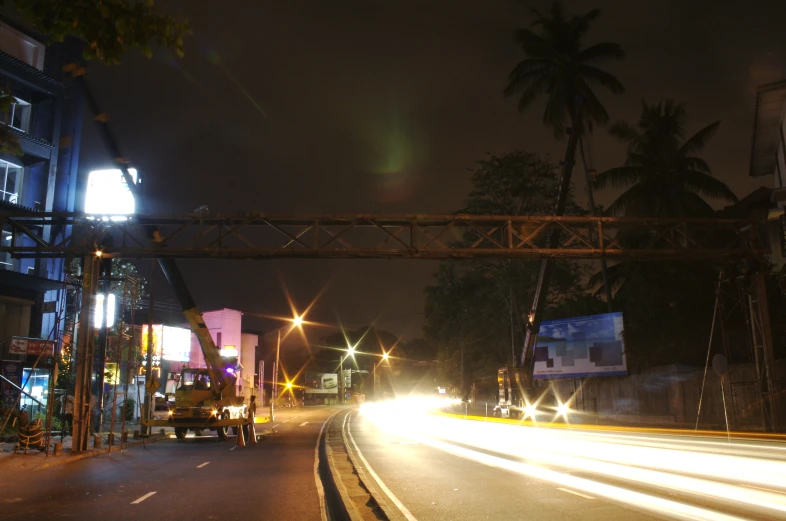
pixel 383 106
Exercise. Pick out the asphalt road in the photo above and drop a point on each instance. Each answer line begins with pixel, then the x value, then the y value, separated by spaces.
pixel 198 478
pixel 453 469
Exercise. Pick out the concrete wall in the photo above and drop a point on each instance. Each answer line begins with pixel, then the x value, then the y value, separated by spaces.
pixel 670 396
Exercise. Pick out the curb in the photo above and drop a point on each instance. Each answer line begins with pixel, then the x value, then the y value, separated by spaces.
pixel 391 513
pixel 53 461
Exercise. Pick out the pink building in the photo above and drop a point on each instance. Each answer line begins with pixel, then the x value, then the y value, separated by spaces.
pixel 237 348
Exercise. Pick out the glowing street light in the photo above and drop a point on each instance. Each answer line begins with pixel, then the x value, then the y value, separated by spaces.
pixel 351 351
pixel 385 356
pixel 298 321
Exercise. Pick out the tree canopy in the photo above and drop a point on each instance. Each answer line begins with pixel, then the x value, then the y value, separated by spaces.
pixel 663 175
pixel 108 27
pixel 477 306
pixel 559 66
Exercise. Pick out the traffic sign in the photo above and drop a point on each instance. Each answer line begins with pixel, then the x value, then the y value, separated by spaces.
pixel 153 385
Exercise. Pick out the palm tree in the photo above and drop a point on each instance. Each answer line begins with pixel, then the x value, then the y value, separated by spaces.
pixel 559 67
pixel 662 174
pixel 663 177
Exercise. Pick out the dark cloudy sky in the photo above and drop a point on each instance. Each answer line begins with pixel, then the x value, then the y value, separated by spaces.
pixel 346 106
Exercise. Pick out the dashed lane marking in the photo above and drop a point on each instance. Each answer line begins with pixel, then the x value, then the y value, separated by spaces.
pixel 303 424
pixel 585 496
pixel 142 498
pixel 202 465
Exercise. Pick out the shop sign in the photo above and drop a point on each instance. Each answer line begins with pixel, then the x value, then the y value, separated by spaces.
pixel 31 346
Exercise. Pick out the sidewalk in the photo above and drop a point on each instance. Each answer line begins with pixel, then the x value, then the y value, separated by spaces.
pixel 35 459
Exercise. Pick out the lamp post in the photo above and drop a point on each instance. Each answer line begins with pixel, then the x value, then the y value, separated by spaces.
pixel 297 322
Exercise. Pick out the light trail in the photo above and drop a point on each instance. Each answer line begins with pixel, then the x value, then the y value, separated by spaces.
pixel 739 475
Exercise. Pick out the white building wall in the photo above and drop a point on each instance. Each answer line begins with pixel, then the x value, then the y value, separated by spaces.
pixel 248 351
pixel 224 324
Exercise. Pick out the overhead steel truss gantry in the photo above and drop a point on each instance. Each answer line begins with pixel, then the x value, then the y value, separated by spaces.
pixel 431 237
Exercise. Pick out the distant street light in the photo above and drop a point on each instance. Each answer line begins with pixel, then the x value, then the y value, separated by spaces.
pixel 298 321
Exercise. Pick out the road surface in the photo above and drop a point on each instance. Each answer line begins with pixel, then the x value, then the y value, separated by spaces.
pixel 446 468
pixel 198 478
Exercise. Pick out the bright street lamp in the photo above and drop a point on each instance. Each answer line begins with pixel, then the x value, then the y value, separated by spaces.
pixel 297 321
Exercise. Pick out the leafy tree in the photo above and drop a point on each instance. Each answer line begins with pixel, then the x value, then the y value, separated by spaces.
pixel 107 27
pixel 667 306
pixel 561 68
pixel 474 303
pixel 662 174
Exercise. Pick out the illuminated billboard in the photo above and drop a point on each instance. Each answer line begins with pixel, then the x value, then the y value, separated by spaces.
pixel 108 194
pixel 176 344
pixel 579 347
pixel 169 343
pixel 321 383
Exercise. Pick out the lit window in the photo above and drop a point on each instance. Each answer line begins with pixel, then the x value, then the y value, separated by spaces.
pixel 11 176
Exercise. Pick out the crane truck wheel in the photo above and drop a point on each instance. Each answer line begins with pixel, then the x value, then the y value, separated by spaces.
pixel 221 432
pixel 180 433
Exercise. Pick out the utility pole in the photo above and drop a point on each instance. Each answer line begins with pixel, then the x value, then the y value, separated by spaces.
pixel 275 369
pixel 147 410
pixel 81 423
pixel 341 379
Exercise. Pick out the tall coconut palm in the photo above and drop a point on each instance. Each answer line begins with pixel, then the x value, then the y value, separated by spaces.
pixel 561 68
pixel 662 173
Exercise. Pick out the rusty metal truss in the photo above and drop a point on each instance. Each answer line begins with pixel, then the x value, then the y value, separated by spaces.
pixel 265 236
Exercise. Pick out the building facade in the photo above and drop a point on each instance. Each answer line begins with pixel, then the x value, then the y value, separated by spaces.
pixel 44 118
pixel 238 349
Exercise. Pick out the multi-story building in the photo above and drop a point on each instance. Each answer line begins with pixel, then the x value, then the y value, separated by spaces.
pixel 768 159
pixel 45 118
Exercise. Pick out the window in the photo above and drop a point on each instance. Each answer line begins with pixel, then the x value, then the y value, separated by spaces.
pixel 18 116
pixel 22 47
pixel 6 262
pixel 11 177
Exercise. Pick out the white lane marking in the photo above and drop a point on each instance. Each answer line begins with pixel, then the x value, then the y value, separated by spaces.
pixel 574 492
pixel 320 488
pixel 202 465
pixel 233 448
pixel 384 488
pixel 285 421
pixel 303 424
pixel 142 498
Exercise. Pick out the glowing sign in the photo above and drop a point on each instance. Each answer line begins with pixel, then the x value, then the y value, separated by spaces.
pixel 176 344
pixel 169 343
pixel 228 351
pixel 108 194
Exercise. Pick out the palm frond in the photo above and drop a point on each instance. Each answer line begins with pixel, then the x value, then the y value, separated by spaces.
pixel 697 164
pixel 639 195
pixel 600 52
pixel 618 176
pixel 698 141
pixel 596 75
pixel 625 132
pixel 707 186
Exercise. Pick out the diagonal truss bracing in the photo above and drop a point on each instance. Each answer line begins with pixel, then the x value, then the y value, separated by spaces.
pixel 265 236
